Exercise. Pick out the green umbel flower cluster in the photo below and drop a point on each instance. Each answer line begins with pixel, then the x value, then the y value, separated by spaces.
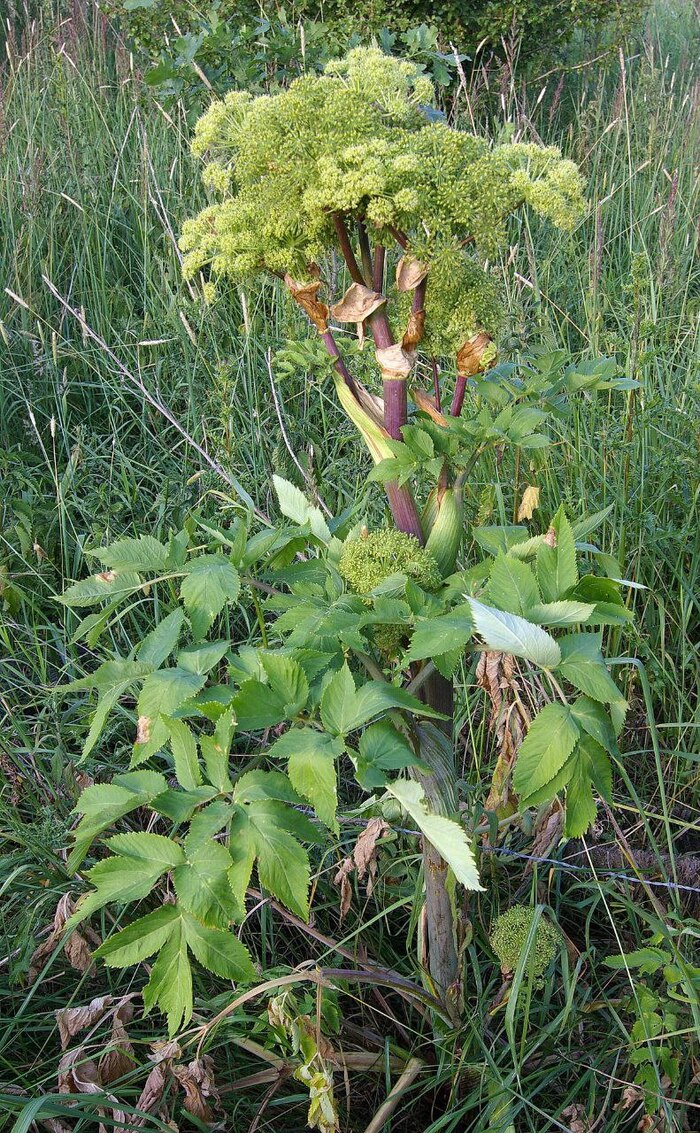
pixel 369 559
pixel 509 937
pixel 360 140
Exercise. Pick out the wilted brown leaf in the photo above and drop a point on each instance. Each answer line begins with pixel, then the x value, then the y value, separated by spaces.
pixel 414 331
pixel 78 1074
pixel 365 852
pixel 530 501
pixel 469 355
pixel 77 946
pixel 395 362
pixel 197 1080
pixel 409 273
pixel 363 859
pixel 306 295
pixel 425 402
pixel 154 1088
pixel 576 1119
pixel 631 1096
pixel 119 1058
pixel 509 720
pixel 342 878
pixel 357 304
pixel 72 1020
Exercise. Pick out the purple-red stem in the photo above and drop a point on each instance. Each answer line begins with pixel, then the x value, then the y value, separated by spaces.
pixel 378 267
pixel 338 363
pixel 458 398
pixel 395 406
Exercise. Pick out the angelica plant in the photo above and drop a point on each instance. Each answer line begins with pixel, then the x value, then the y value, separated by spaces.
pixel 355 636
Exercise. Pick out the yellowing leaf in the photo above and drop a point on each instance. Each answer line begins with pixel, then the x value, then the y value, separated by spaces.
pixel 446 835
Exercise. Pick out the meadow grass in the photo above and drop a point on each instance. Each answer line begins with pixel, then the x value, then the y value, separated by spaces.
pixel 96 181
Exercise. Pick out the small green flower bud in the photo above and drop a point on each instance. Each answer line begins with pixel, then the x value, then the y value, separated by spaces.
pixel 509 938
pixel 368 560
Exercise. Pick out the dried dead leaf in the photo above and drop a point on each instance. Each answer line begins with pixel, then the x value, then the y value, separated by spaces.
pixel 548 831
pixel 425 402
pixel 77 947
pixel 508 722
pixel 118 1060
pixel 306 296
pixel 78 1074
pixel 143 730
pixel 395 362
pixel 576 1119
pixel 154 1088
pixel 357 304
pixel 530 501
pixel 409 273
pixel 197 1080
pixel 342 878
pixel 469 355
pixel 363 859
pixel 365 852
pixel 13 776
pixel 72 1020
pixel 414 331
pixel 631 1096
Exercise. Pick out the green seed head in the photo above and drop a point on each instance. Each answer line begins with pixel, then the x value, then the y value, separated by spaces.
pixel 368 560
pixel 509 938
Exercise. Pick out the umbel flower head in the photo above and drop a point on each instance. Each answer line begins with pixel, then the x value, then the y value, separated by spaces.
pixel 359 142
pixel 369 559
pixel 509 938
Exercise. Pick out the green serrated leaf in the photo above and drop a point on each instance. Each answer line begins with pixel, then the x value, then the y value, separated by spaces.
pixel 110 586
pixel 509 633
pixel 593 719
pixel 311 757
pixel 295 506
pixel 218 951
pixel 549 742
pixel 183 745
pixel 512 585
pixel 202 884
pixel 144 553
pixel 580 804
pixel 170 985
pixel 283 863
pixel 211 581
pixel 557 572
pixel 565 613
pixel 164 691
pixel 102 804
pixel 202 658
pixel 436 636
pixel 583 666
pixel 446 835
pixel 382 749
pixel 157 645
pixel 139 940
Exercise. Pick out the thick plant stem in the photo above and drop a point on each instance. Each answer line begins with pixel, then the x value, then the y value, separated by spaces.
pixel 458 398
pixel 395 406
pixel 436 749
pixel 404 510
